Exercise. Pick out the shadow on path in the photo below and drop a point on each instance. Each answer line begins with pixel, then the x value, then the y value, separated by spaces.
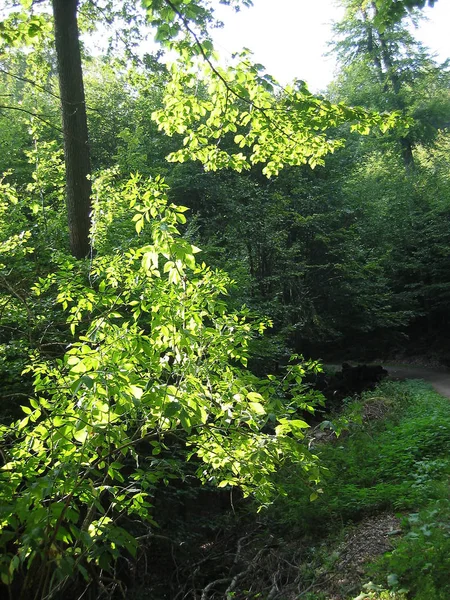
pixel 439 378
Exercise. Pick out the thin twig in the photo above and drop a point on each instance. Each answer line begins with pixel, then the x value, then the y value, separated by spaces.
pixel 31 82
pixel 33 114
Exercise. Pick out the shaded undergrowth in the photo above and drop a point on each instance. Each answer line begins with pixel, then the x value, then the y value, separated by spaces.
pixel 379 530
pixel 398 464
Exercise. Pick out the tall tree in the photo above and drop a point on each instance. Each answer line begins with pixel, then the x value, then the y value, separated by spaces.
pixel 385 68
pixel 74 122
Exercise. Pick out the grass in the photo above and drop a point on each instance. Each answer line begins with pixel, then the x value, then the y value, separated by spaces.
pixel 420 562
pixel 399 463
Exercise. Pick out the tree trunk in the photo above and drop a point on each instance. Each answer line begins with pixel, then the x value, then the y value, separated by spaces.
pixel 74 124
pixel 407 153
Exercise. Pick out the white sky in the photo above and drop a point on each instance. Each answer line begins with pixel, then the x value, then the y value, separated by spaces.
pixel 289 37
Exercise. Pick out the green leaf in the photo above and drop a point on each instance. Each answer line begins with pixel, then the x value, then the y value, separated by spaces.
pixel 226 483
pixel 136 391
pixel 257 408
pixel 392 580
pixel 190 261
pixel 255 397
pixel 79 367
pixel 81 435
pixel 171 409
pixel 168 266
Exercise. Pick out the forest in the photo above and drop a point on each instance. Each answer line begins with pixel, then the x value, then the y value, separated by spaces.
pixel 207 283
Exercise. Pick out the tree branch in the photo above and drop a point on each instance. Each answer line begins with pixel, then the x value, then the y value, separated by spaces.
pixel 33 114
pixel 31 82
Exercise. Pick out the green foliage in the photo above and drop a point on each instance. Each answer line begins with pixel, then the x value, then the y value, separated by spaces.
pixel 378 592
pixel 290 128
pixel 303 251
pixel 419 88
pixel 406 227
pixel 398 464
pixel 31 233
pixel 295 252
pixel 22 29
pixel 420 560
pixel 364 479
pixel 141 356
pixel 389 12
pixel 157 361
pixel 119 100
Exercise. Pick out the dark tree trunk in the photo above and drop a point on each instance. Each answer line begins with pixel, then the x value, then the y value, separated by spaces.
pixel 74 123
pixel 407 153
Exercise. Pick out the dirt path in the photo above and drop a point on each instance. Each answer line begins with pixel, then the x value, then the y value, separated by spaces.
pixel 439 378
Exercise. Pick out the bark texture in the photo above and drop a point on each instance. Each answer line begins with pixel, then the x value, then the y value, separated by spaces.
pixel 74 124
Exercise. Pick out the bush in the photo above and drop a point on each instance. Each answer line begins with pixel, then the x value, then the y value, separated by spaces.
pixel 397 463
pixel 421 560
pixel 156 374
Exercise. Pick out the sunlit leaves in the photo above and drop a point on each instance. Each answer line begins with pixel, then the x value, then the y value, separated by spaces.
pixel 21 29
pixel 389 11
pixel 157 359
pixel 212 106
pixel 172 18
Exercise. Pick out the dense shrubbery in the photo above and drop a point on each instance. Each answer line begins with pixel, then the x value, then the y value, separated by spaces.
pixel 420 561
pixel 155 375
pixel 398 463
pixel 393 464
